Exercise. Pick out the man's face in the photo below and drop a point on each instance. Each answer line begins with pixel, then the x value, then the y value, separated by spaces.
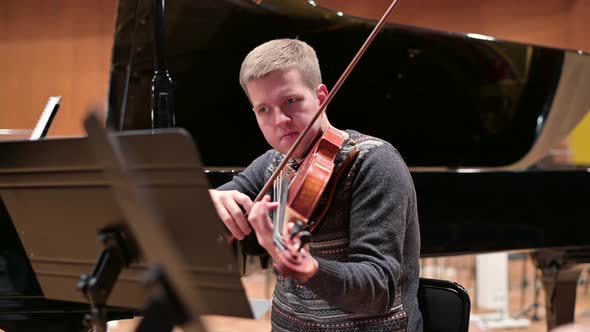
pixel 284 105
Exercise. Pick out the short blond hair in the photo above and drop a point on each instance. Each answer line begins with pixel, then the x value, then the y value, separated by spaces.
pixel 282 54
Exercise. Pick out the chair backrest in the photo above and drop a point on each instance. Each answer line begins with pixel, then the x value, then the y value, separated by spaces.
pixel 445 306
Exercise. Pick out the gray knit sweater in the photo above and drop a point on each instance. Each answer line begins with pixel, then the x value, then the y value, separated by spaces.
pixel 367 246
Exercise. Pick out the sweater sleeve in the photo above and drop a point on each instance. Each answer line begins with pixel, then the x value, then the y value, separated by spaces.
pixel 383 198
pixel 252 179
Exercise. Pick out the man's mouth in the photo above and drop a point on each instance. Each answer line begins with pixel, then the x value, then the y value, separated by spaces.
pixel 289 136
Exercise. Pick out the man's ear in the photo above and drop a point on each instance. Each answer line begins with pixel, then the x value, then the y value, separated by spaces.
pixel 321 93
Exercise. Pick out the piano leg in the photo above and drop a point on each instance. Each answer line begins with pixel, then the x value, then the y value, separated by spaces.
pixel 560 279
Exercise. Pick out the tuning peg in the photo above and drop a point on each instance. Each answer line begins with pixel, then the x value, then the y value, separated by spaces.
pixel 297 228
pixel 304 238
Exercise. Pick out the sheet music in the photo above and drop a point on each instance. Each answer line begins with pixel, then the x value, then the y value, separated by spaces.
pixel 46 118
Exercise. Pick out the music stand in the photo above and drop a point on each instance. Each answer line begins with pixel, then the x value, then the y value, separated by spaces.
pixel 59 194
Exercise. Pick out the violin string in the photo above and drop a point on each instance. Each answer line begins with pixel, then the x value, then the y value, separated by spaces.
pixel 280 188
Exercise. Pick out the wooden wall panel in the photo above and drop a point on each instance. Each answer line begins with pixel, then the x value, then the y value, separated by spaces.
pixel 54 48
pixel 543 22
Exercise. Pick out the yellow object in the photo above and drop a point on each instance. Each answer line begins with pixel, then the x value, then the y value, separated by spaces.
pixel 580 142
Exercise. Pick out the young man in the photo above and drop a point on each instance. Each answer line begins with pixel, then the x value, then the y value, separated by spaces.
pixel 360 272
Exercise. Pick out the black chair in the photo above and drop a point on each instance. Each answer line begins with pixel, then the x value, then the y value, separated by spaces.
pixel 445 306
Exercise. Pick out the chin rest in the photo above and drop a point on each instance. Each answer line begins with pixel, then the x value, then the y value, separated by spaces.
pixel 445 306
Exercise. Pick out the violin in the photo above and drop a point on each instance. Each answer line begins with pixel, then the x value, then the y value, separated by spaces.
pixel 299 198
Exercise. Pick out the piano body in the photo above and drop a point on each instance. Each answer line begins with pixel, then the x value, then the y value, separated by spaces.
pixel 471 115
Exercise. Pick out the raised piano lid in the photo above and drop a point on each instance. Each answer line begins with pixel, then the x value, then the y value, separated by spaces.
pixel 442 99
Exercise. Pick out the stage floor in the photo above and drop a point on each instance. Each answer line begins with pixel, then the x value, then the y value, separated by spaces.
pixel 460 269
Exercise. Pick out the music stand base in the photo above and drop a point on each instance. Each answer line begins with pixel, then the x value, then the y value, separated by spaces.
pixel 164 310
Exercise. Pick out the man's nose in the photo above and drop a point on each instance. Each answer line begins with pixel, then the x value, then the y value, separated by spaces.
pixel 281 118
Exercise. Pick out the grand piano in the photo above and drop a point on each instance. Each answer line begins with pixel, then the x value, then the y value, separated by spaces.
pixel 474 118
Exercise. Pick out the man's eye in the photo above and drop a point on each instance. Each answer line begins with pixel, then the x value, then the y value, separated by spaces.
pixel 290 101
pixel 263 109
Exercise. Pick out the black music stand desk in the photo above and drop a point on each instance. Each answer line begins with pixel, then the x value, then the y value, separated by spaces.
pixel 59 194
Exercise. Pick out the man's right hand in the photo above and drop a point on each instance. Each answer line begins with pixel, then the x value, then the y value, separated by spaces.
pixel 230 206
